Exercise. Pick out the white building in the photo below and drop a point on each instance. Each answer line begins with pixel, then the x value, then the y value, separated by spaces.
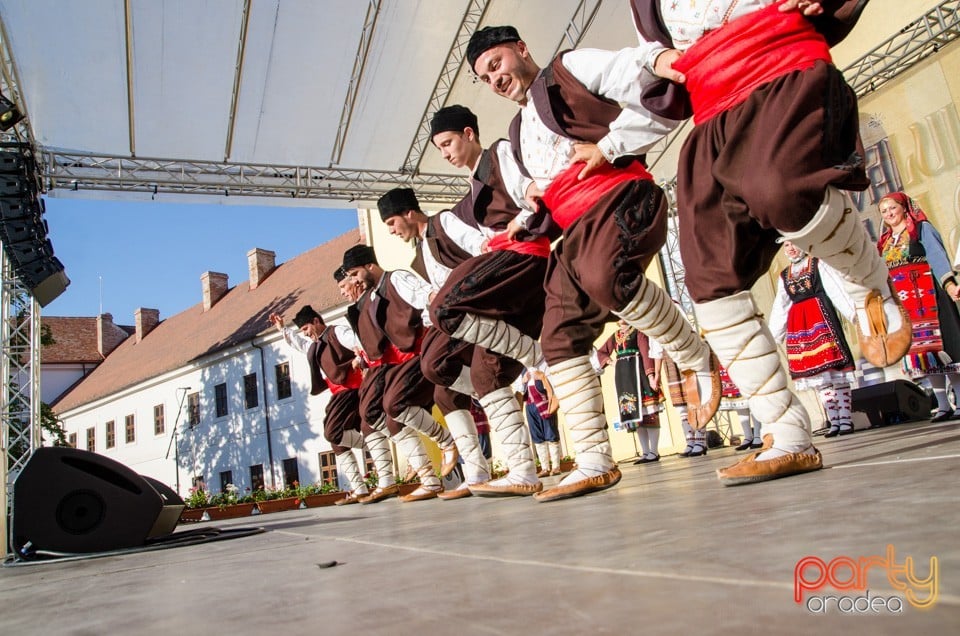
pixel 247 417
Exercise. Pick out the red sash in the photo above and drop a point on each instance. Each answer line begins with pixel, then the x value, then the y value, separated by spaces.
pixel 538 247
pixel 727 64
pixel 568 197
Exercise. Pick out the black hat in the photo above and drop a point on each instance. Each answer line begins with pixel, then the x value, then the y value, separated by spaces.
pixel 306 316
pixel 358 255
pixel 487 38
pixel 339 274
pixel 397 201
pixel 454 118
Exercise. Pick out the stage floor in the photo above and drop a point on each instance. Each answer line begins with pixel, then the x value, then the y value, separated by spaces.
pixel 667 551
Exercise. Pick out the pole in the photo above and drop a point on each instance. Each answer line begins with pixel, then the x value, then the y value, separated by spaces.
pixel 174 439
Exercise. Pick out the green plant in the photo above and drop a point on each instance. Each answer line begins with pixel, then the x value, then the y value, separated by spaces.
pixel 371 479
pixel 197 498
pixel 497 469
pixel 228 497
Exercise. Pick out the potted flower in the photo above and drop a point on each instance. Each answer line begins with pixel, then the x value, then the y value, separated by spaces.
pixel 409 482
pixel 195 503
pixel 229 504
pixel 567 464
pixel 271 500
pixel 317 495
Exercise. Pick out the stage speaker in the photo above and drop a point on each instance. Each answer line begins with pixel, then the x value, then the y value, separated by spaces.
pixel 71 500
pixel 892 402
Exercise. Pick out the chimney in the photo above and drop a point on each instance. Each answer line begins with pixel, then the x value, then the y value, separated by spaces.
pixel 109 336
pixel 214 288
pixel 261 263
pixel 145 320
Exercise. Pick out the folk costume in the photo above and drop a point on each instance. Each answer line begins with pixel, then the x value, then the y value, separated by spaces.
pixel 330 359
pixel 541 408
pixel 494 300
pixel 394 395
pixel 639 403
pixel 919 269
pixel 613 222
pixel 749 68
pixel 445 243
pixel 805 317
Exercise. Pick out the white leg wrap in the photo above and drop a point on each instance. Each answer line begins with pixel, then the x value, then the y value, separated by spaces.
pixel 410 444
pixel 655 314
pixel 836 236
pixel 577 388
pixel 464 431
pixel 745 346
pixel 506 420
pixel 347 466
pixel 378 445
pixel 352 438
pixel 419 420
pixel 554 449
pixel 543 455
pixel 499 337
pixel 464 383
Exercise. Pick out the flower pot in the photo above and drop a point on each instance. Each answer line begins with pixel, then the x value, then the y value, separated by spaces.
pixel 406 489
pixel 278 505
pixel 191 514
pixel 233 511
pixel 566 467
pixel 325 499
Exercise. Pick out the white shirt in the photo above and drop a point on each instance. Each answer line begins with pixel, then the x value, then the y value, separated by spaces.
pixel 832 286
pixel 299 342
pixel 688 20
pixel 466 236
pixel 413 289
pixel 617 75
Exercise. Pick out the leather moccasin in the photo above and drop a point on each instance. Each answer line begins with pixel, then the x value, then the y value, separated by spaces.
pixel 456 493
pixel 488 489
pixel 880 348
pixel 420 494
pixel 748 470
pixel 582 487
pixel 698 413
pixel 379 494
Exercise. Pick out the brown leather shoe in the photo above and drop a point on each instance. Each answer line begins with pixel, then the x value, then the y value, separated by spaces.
pixel 447 467
pixel 582 487
pixel 748 470
pixel 543 473
pixel 700 414
pixel 351 498
pixel 379 494
pixel 420 494
pixel 487 489
pixel 456 493
pixel 881 349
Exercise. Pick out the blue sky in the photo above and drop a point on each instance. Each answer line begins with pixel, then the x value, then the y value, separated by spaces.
pixel 151 254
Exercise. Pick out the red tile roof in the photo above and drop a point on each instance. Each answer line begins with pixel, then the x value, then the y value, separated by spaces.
pixel 236 318
pixel 75 340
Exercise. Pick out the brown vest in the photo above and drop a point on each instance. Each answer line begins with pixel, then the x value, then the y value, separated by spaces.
pixel 336 360
pixel 444 249
pixel 385 318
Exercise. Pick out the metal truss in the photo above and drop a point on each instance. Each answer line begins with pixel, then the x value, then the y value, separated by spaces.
pixel 20 368
pixel 359 64
pixel 915 42
pixel 472 17
pixel 582 18
pixel 89 171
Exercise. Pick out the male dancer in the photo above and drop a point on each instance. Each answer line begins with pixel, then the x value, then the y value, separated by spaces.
pixel 495 300
pixel 333 365
pixel 776 139
pixel 442 242
pixel 582 149
pixel 388 319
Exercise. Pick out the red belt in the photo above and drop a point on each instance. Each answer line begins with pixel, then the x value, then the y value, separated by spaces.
pixel 537 247
pixel 727 64
pixel 568 196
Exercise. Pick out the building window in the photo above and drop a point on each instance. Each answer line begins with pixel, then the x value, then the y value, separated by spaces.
pixel 72 440
pixel 197 481
pixel 226 478
pixel 91 439
pixel 283 381
pixel 256 477
pixel 291 472
pixel 328 467
pixel 130 428
pixel 251 396
pixel 193 409
pixel 220 399
pixel 158 422
pixel 110 433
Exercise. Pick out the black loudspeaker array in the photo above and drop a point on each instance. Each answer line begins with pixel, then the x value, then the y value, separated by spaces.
pixel 23 229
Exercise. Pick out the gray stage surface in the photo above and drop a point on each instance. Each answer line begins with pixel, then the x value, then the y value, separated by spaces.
pixel 667 551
